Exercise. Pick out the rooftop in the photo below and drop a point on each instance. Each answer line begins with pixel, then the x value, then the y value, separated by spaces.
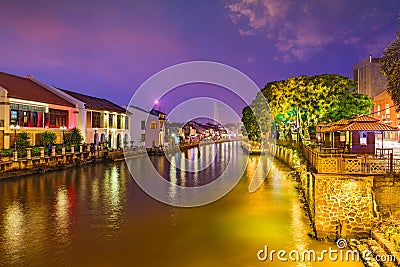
pixel 95 103
pixel 26 89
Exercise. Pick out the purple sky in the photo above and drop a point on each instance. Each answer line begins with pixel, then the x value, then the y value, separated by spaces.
pixel 108 49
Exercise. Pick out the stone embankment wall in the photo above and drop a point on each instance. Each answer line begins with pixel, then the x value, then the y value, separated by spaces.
pixel 339 205
pixel 343 205
pixel 23 166
pixel 387 194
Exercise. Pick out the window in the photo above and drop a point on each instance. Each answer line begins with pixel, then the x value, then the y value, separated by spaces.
pixel 119 121
pixel 58 118
pixel 363 138
pixel 88 119
pixel 95 119
pixel 27 116
pixel 126 122
pixel 111 120
pixel 153 125
pixel 387 109
pixel 14 117
pixel 379 110
pixel 143 137
pixel 143 125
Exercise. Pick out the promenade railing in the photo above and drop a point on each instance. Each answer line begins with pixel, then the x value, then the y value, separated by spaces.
pixel 347 163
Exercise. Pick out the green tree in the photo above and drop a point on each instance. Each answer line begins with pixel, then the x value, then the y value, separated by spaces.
pixel 48 138
pixel 390 66
pixel 304 101
pixel 252 129
pixel 73 137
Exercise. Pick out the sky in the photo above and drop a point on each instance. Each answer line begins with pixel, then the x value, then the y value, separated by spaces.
pixel 109 48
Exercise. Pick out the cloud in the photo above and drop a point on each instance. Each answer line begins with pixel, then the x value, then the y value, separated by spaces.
pixel 299 29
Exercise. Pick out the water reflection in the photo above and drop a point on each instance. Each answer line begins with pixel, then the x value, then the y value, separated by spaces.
pixel 14 228
pixel 98 216
pixel 62 214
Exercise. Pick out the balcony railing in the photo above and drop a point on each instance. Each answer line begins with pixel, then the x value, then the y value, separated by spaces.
pixel 340 163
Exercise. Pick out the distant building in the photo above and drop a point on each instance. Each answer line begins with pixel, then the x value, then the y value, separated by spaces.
pixel 29 104
pixel 386 111
pixel 367 73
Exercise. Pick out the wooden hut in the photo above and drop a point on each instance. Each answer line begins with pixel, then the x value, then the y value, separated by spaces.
pixel 361 131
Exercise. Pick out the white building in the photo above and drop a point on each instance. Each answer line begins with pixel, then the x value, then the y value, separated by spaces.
pixel 100 120
pixel 137 125
pixel 147 128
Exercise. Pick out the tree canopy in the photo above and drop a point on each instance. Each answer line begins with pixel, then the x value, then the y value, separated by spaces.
pixel 303 101
pixel 390 63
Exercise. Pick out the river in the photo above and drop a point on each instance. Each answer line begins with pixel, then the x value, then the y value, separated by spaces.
pixel 97 215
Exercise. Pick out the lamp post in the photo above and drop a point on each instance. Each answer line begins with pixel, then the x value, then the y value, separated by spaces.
pixel 95 138
pixel 15 128
pixel 95 135
pixel 63 128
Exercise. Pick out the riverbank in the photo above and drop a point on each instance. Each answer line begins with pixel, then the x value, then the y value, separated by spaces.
pixel 380 248
pixel 18 167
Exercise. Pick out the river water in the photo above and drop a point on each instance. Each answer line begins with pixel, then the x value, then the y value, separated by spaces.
pixel 98 216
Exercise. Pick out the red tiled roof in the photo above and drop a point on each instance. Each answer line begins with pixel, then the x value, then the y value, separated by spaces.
pixel 364 118
pixel 26 89
pixel 368 126
pixel 333 126
pixel 360 123
pixel 95 103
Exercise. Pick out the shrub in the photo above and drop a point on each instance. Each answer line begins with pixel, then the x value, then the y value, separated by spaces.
pixel 21 153
pixel 35 151
pixel 48 138
pixel 73 137
pixel 6 152
pixel 23 141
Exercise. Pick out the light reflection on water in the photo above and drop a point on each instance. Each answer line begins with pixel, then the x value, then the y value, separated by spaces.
pixel 97 216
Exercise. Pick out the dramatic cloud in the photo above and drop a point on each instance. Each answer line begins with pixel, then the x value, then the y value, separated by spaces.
pixel 298 29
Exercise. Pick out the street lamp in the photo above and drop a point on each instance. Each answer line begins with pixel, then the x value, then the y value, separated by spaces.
pixel 63 128
pixel 95 135
pixel 15 128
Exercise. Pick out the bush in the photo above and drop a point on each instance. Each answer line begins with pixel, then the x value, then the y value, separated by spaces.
pixel 6 152
pixel 21 153
pixel 35 151
pixel 48 138
pixel 73 137
pixel 23 141
pixel 58 148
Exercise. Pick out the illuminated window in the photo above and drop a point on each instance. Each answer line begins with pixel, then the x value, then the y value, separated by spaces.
pixel 379 110
pixel 363 138
pixel 111 120
pixel 95 119
pixel 119 122
pixel 153 125
pixel 387 109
